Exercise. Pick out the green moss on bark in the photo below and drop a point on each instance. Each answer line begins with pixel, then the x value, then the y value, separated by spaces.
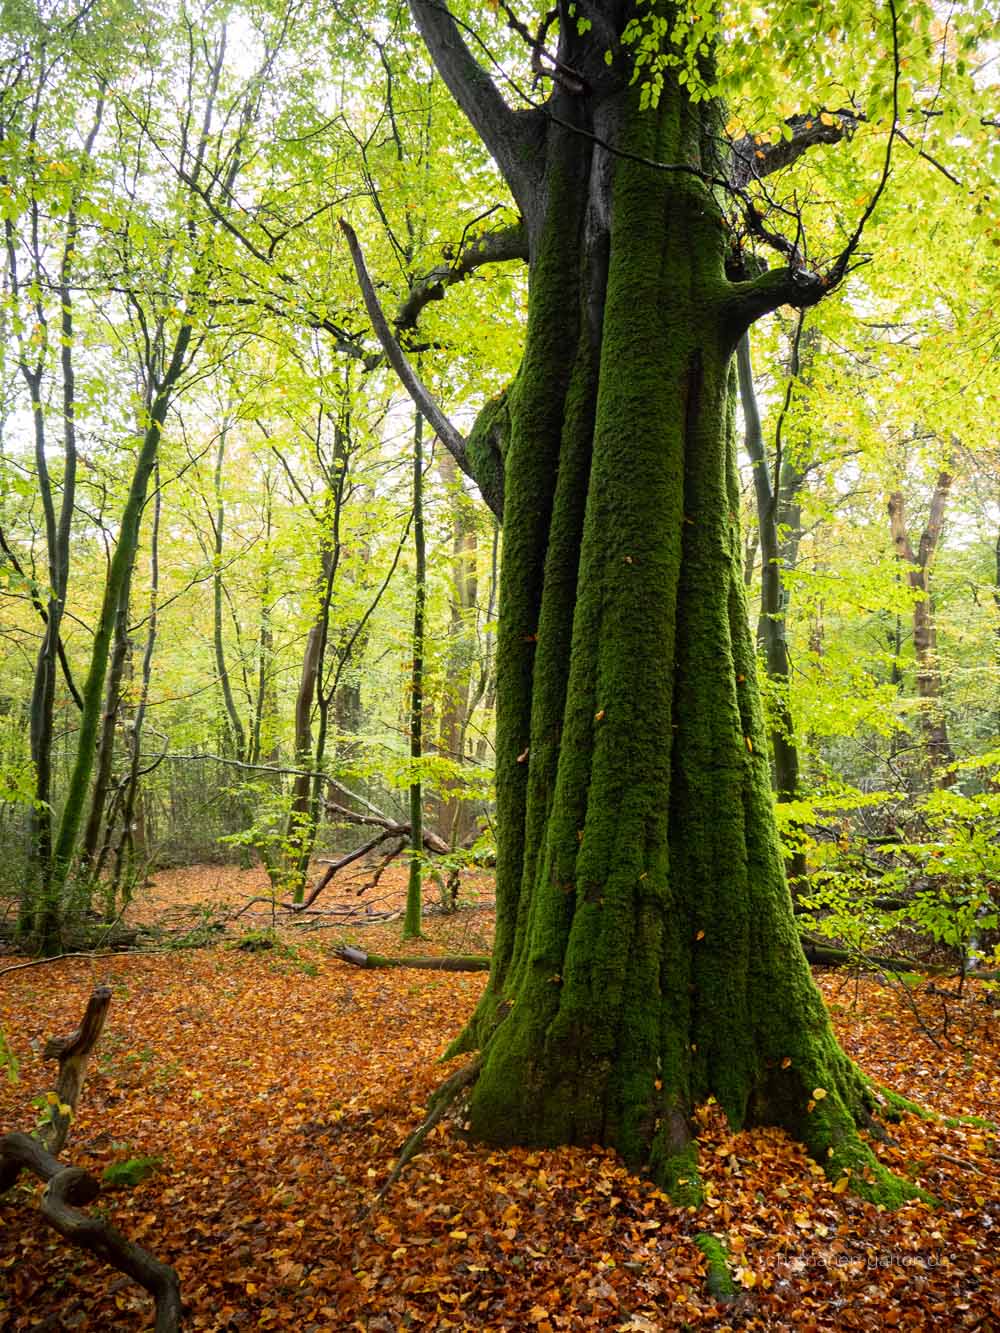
pixel 718 1276
pixel 647 955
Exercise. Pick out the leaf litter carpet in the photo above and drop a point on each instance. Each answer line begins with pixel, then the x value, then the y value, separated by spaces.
pixel 274 1089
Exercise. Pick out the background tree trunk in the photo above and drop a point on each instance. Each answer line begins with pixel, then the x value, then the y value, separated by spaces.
pixel 412 919
pixel 933 723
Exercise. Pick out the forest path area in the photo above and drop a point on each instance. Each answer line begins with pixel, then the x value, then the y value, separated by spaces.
pixel 235 900
pixel 273 1090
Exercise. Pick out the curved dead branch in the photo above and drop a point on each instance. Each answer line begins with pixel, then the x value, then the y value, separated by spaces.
pixel 70 1187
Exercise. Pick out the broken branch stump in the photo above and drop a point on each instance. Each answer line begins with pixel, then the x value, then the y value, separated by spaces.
pixel 73 1053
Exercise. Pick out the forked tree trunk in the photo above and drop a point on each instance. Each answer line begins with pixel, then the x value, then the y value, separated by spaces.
pixel 646 955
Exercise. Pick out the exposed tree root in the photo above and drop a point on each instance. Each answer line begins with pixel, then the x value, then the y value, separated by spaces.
pixel 446 1095
pixel 69 1186
pixel 893 1106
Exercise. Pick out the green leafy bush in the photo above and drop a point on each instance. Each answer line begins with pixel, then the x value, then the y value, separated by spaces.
pixel 133 1171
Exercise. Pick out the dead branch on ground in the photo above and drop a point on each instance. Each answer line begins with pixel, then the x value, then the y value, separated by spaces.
pixel 69 1187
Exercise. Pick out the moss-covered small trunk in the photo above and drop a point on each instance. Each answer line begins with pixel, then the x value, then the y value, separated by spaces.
pixel 48 920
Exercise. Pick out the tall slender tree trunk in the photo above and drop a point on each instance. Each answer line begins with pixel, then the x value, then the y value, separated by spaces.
pixel 132 843
pixel 264 736
pixel 772 625
pixel 412 918
pixel 48 923
pixel 58 527
pixel 933 723
pixel 312 698
pixel 42 706
pixel 299 836
pixel 454 815
pixel 234 723
pixel 779 529
pixel 110 719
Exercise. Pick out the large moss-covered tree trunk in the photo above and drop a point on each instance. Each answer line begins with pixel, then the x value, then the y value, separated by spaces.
pixel 646 955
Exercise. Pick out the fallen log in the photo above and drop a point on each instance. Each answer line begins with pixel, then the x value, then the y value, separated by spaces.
pixel 69 1187
pixel 450 963
pixel 816 950
pixel 828 955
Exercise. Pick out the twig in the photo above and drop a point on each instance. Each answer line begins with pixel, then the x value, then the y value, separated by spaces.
pixel 57 958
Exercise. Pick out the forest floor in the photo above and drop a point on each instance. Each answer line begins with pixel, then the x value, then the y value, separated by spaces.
pixel 274 1089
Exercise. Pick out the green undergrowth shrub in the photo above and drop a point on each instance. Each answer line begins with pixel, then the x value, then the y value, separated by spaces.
pixel 886 873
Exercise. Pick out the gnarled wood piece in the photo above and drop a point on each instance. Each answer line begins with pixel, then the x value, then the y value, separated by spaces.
pixel 21 1150
pixel 102 1240
pixel 71 1186
pixel 73 1053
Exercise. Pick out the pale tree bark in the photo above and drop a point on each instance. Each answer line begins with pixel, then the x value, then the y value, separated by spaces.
pixel 930 691
pixel 234 723
pixel 454 816
pixel 312 701
pixel 412 919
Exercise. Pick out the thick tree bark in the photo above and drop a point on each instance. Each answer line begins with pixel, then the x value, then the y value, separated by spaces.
pixel 646 955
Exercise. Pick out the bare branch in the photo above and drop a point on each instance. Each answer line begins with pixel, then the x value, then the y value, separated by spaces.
pixel 450 437
pixel 751 160
pixel 493 247
pixel 514 138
